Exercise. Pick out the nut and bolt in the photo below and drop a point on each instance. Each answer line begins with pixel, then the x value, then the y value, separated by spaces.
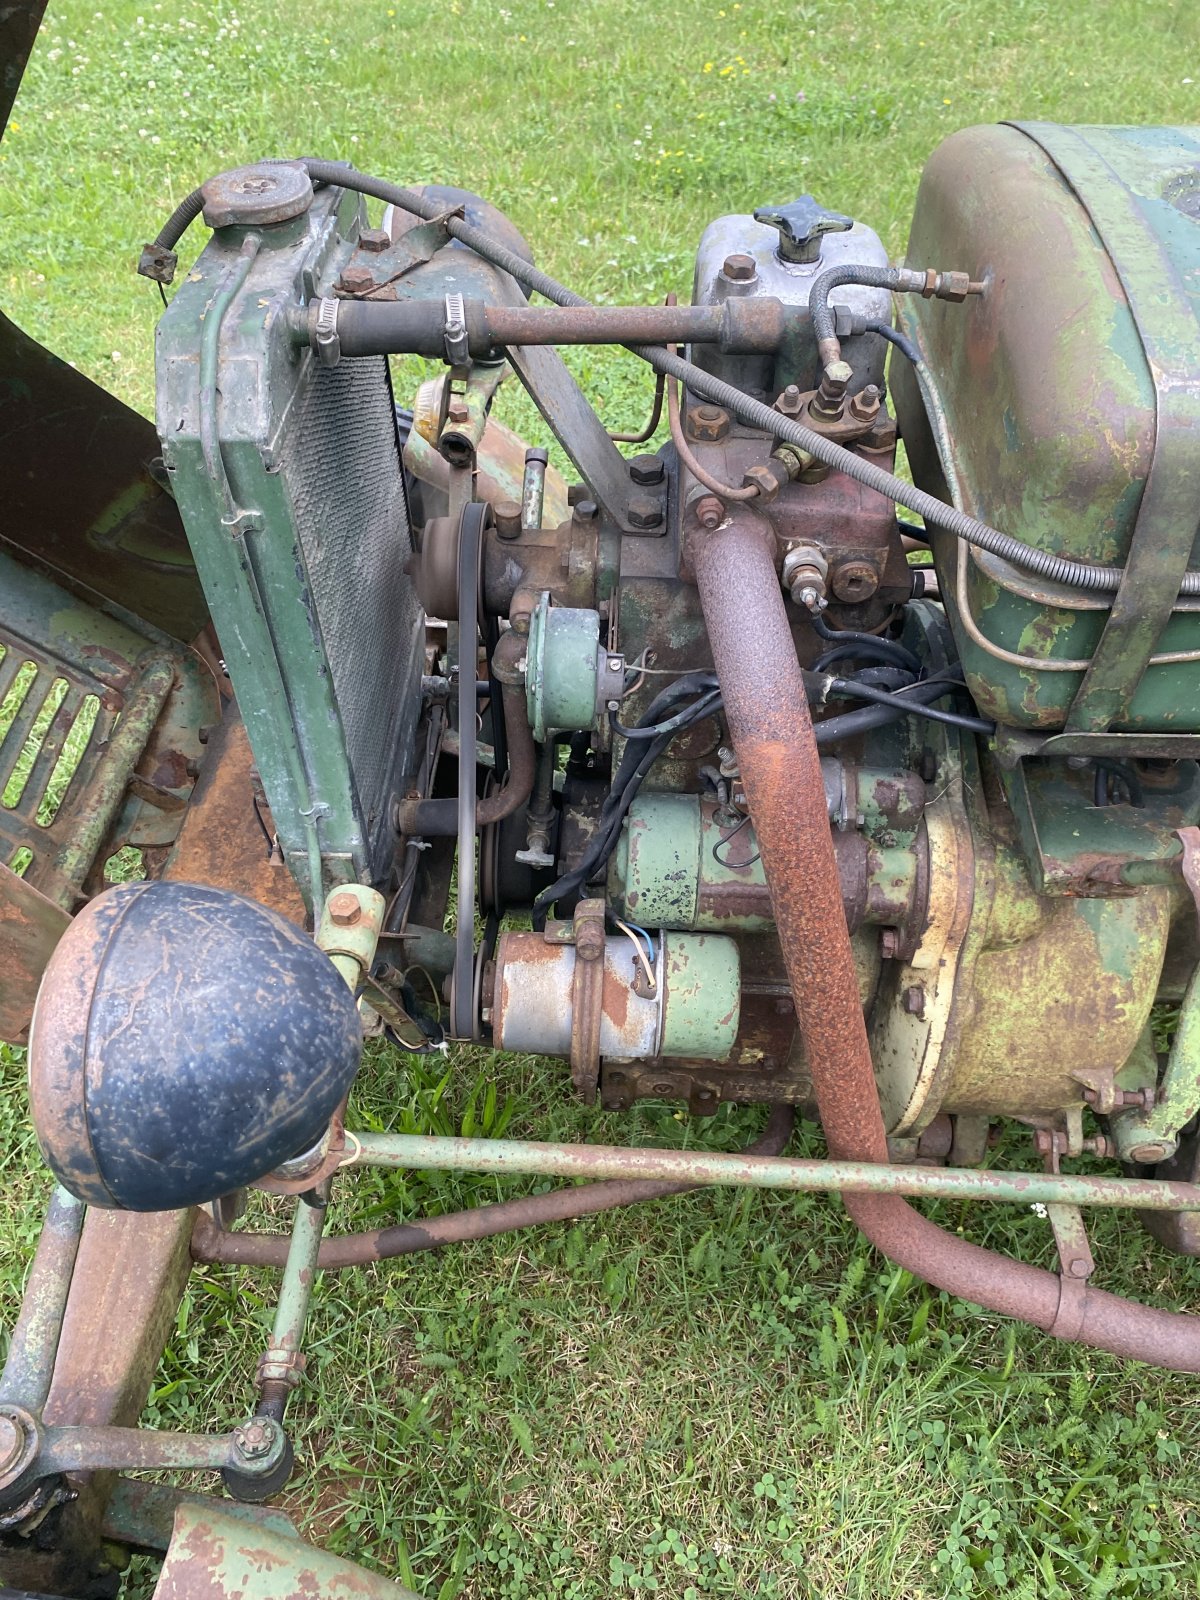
pixel 374 240
pixel 707 424
pixel 739 268
pixel 507 515
pixel 344 909
pixel 835 380
pixel 804 573
pixel 855 581
pixel 646 471
pixel 645 511
pixel 791 402
pixel 710 512
pixel 768 477
pixel 254 1439
pixel 357 280
pixel 585 511
pixel 864 405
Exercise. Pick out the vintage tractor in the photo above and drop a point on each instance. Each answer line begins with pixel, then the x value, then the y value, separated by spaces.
pixel 723 793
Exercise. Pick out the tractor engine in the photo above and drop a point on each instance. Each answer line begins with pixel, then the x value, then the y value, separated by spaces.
pixel 435 638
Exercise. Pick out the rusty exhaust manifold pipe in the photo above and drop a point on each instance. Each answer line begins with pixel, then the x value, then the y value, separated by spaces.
pixel 767 711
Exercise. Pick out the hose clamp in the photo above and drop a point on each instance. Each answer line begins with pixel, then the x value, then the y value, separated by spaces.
pixel 325 332
pixel 454 334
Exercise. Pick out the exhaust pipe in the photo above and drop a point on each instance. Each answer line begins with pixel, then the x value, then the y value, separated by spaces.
pixel 772 733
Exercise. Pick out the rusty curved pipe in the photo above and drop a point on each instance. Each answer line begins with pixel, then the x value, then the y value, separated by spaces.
pixel 210 1243
pixel 437 818
pixel 767 711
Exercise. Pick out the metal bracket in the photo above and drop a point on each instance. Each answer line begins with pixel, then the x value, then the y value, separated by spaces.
pixel 587 998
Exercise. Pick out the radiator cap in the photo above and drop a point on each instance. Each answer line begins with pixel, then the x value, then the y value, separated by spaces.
pixel 252 197
pixel 186 1042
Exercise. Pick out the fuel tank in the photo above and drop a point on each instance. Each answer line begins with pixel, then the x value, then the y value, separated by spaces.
pixel 1063 406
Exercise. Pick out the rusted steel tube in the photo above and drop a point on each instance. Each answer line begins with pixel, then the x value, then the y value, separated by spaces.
pixel 210 1243
pixel 771 730
pixel 418 327
pixel 35 1335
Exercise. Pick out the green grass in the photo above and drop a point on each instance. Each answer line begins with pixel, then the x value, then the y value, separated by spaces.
pixel 724 1395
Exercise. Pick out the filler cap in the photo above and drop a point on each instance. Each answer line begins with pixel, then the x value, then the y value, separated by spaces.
pixel 801 224
pixel 252 197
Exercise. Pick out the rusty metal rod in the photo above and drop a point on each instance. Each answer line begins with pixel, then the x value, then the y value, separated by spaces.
pixel 418 327
pixel 537 1159
pixel 210 1243
pixel 34 1344
pixel 771 730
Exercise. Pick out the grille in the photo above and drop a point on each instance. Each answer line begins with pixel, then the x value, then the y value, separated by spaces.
pixel 341 462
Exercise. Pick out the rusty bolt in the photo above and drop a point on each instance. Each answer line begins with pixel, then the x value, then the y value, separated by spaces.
pixel 835 380
pixel 889 943
pixel 647 470
pixel 1077 1267
pixel 791 402
pixel 913 1000
pixel 589 942
pixel 507 514
pixel 254 1439
pixel 585 511
pixel 374 240
pixel 645 511
pixel 12 1443
pixel 855 581
pixel 710 512
pixel 739 268
pixel 344 909
pixel 768 477
pixel 865 404
pixel 458 411
pixel 882 436
pixel 707 423
pixel 357 280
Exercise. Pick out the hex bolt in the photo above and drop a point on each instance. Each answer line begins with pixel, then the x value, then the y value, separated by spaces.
pixel 1077 1267
pixel 707 424
pixel 647 470
pixel 344 909
pixel 710 512
pixel 865 404
pixel 357 280
pixel 585 511
pixel 254 1439
pixel 507 515
pixel 458 411
pixel 374 240
pixel 790 403
pixel 835 380
pixel 645 511
pixel 889 944
pixel 739 268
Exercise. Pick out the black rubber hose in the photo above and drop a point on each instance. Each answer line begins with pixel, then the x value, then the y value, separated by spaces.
pixel 847 688
pixel 180 220
pixel 894 337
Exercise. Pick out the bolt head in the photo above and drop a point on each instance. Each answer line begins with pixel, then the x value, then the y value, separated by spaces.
pixel 458 411
pixel 710 512
pixel 739 268
pixel 707 424
pixel 913 1000
pixel 889 943
pixel 645 511
pixel 585 511
pixel 374 240
pixel 344 910
pixel 507 515
pixel 253 1439
pixel 647 470
pixel 357 280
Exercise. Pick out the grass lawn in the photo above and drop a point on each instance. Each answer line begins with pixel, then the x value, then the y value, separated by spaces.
pixel 724 1395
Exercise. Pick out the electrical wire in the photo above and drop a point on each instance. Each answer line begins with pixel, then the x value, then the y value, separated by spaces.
pixel 900 654
pixel 726 838
pixel 632 935
pixel 848 689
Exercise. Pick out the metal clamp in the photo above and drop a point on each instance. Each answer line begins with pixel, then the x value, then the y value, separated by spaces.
pixel 458 352
pixel 325 332
pixel 587 998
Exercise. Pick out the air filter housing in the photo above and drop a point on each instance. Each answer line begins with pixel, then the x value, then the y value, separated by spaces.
pixel 288 476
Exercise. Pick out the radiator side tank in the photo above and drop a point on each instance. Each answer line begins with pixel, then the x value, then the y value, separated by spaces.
pixel 1062 406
